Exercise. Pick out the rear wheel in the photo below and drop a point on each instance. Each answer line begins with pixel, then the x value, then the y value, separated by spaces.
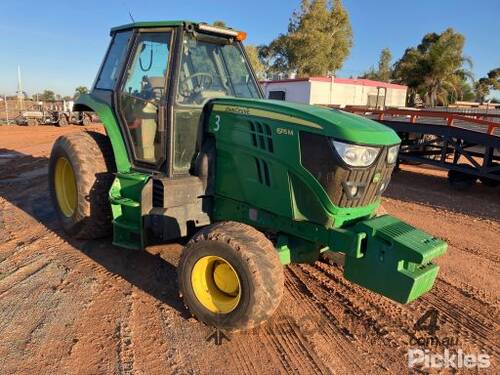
pixel 80 175
pixel 230 276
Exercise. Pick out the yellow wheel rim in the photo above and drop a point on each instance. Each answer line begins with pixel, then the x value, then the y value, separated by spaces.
pixel 65 186
pixel 216 284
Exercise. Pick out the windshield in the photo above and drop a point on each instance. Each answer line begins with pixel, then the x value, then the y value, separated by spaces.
pixel 210 70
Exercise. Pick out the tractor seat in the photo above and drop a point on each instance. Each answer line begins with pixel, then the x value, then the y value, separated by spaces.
pixel 157 84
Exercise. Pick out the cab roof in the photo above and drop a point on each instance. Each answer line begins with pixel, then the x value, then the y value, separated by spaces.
pixel 136 25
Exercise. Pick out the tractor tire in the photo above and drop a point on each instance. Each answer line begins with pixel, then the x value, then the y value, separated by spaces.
pixel 63 121
pixel 230 276
pixel 81 170
pixel 461 180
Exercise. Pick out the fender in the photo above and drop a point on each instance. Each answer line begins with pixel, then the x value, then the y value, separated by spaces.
pixel 89 103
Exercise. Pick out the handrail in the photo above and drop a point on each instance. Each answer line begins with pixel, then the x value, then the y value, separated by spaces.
pixel 415 114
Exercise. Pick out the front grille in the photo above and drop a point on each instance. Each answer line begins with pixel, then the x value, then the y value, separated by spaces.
pixel 319 157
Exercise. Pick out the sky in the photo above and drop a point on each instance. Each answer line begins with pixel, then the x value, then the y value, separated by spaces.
pixel 60 45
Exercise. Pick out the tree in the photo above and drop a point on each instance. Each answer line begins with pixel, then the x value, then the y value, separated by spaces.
pixel 466 91
pixel 436 68
pixel 483 86
pixel 494 77
pixel 254 60
pixel 80 90
pixel 47 95
pixel 481 89
pixel 384 71
pixel 276 56
pixel 384 65
pixel 318 40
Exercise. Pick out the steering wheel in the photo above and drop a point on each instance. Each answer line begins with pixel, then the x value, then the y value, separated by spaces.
pixel 203 84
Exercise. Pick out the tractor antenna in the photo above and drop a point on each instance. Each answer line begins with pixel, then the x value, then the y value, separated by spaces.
pixel 131 17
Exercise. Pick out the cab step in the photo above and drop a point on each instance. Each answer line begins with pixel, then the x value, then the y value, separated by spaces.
pixel 116 199
pixel 125 198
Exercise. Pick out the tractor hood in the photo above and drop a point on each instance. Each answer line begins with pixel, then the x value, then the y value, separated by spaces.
pixel 329 122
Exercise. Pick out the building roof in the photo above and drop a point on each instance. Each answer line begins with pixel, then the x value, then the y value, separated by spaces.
pixel 346 81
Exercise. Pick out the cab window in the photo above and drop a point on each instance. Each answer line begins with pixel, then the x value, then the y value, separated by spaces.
pixel 209 68
pixel 113 62
pixel 143 92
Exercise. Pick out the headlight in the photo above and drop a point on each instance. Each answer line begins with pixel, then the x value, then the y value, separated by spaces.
pixel 392 154
pixel 354 155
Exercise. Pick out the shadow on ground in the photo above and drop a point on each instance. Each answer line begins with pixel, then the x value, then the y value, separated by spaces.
pixel 434 191
pixel 29 192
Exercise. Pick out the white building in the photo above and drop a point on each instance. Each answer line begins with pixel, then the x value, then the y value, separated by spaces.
pixel 337 91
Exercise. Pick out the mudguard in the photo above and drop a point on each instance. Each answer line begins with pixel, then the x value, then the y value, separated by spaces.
pixel 87 102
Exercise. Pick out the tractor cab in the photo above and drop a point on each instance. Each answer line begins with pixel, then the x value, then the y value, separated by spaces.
pixel 160 77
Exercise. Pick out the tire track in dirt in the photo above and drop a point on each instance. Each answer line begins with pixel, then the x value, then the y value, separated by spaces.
pixel 35 306
pixel 386 318
pixel 475 327
pixel 356 334
pixel 296 353
pixel 469 323
pixel 242 356
pixel 469 291
pixel 21 275
pixel 494 258
pixel 123 336
pixel 288 341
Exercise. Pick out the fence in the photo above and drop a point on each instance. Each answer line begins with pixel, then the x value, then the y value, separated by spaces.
pixel 15 107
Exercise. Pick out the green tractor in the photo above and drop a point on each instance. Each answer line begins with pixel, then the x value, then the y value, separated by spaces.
pixel 191 146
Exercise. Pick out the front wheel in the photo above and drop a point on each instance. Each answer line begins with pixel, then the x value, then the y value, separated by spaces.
pixel 230 276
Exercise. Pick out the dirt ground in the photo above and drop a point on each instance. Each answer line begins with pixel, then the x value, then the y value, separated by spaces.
pixel 88 307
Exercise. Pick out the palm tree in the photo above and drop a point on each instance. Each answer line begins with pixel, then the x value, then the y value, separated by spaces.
pixel 437 68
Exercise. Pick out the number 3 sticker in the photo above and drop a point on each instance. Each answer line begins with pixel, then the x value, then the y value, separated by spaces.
pixel 217 123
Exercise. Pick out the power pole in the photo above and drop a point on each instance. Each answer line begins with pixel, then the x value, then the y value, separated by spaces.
pixel 20 94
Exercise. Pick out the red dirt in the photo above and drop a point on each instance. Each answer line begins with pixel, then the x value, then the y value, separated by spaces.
pixel 88 307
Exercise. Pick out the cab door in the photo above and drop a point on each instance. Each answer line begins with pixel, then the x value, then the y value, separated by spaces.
pixel 141 97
